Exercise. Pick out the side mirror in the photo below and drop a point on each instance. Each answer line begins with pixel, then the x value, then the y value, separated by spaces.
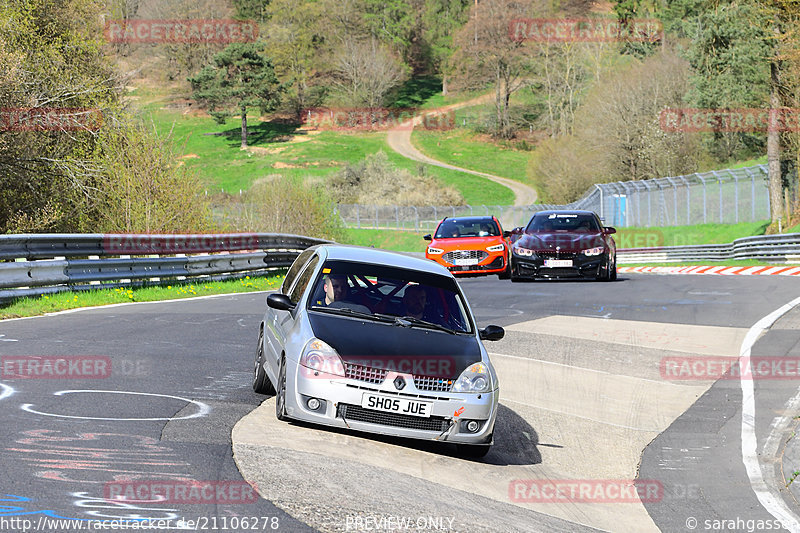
pixel 280 302
pixel 491 333
pixel 506 234
pixel 609 230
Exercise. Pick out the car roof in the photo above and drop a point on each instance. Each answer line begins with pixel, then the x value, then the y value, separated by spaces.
pixel 565 212
pixel 346 252
pixel 472 219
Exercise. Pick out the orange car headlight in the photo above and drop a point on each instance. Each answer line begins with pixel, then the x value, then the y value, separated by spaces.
pixel 432 250
pixel 496 248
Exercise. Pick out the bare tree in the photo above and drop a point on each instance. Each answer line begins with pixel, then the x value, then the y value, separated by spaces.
pixel 366 71
pixel 486 54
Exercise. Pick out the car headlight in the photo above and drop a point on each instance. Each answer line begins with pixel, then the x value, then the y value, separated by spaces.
pixel 432 250
pixel 496 248
pixel 519 250
pixel 475 378
pixel 594 251
pixel 319 358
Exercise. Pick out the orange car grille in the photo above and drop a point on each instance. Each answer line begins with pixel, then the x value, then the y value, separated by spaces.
pixel 451 257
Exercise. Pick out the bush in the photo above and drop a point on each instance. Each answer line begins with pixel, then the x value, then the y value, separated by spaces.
pixel 282 204
pixel 143 186
pixel 376 181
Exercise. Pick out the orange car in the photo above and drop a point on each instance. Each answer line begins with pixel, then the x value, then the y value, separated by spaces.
pixel 470 245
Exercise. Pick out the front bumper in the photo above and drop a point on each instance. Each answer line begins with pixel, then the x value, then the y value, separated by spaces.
pixel 589 267
pixel 493 264
pixel 340 406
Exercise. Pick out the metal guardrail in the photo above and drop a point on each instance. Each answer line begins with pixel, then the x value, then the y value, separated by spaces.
pixel 783 248
pixel 37 264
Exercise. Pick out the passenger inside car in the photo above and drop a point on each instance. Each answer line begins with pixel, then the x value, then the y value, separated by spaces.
pixel 414 301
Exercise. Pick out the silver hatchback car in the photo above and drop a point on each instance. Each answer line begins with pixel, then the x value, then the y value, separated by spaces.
pixel 379 342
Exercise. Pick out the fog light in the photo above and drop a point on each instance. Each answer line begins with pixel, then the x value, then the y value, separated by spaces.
pixel 472 426
pixel 313 404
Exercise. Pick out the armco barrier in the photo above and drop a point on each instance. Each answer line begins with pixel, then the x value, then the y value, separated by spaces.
pixel 37 264
pixel 783 248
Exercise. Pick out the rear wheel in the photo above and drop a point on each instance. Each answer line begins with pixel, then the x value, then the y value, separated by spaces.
pixel 475 451
pixel 280 395
pixel 261 383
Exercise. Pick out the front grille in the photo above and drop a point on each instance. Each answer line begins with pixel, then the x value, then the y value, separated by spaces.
pixel 364 373
pixel 451 257
pixel 551 254
pixel 359 414
pixel 428 383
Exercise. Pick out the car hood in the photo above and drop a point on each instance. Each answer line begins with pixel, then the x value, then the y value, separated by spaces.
pixel 403 349
pixel 567 242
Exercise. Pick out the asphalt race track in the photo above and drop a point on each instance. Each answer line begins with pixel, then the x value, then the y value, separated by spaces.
pixel 588 404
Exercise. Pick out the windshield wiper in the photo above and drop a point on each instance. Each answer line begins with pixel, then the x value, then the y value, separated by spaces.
pixel 408 321
pixel 351 312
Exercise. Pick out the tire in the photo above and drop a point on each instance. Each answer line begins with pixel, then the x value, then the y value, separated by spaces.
pixel 280 394
pixel 261 383
pixel 613 276
pixel 506 274
pixel 473 451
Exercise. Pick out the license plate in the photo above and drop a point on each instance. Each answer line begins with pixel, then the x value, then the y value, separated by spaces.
pixel 466 262
pixel 556 263
pixel 401 406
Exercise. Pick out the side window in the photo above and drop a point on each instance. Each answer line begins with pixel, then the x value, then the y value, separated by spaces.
pixel 303 279
pixel 294 270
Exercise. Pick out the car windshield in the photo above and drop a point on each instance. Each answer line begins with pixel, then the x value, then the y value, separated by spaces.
pixel 450 229
pixel 548 222
pixel 384 292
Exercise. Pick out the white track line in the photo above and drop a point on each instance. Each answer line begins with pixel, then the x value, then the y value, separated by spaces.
pixel 771 501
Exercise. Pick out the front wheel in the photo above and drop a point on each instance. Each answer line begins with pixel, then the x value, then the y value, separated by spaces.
pixel 505 274
pixel 261 383
pixel 280 395
pixel 613 276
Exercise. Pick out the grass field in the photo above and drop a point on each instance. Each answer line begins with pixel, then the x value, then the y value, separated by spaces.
pixel 179 290
pixel 685 235
pixel 398 241
pixel 463 148
pixel 213 150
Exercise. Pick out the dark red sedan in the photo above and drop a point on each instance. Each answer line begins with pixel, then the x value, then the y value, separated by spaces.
pixel 563 244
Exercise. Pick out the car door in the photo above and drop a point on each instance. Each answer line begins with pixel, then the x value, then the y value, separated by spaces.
pixel 279 323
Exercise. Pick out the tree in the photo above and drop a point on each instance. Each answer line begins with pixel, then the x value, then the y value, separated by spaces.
pixel 486 53
pixel 295 40
pixel 257 10
pixel 440 20
pixel 366 72
pixel 241 77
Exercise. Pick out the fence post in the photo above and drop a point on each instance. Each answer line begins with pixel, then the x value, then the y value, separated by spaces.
pixel 688 199
pixel 376 217
pixel 719 180
pixel 358 215
pixel 416 218
pixel 752 195
pixel 397 216
pixel 735 194
pixel 705 205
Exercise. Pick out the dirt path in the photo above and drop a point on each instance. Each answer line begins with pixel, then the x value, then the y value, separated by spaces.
pixel 400 141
